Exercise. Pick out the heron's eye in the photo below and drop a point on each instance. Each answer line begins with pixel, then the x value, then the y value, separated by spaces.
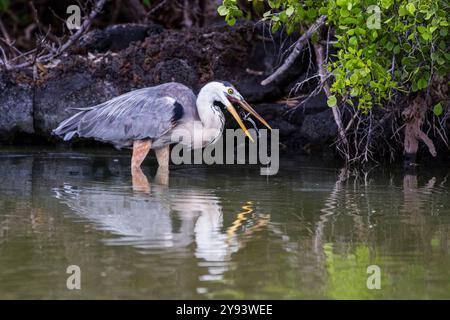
pixel 230 91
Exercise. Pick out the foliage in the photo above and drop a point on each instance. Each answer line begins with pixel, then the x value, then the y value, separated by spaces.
pixel 371 58
pixel 230 10
pixel 4 5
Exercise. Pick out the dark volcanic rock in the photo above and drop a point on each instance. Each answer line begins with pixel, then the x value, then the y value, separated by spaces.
pixel 55 98
pixel 315 104
pixel 312 105
pixel 286 128
pixel 117 37
pixel 271 111
pixel 250 87
pixel 319 128
pixel 16 108
pixel 176 70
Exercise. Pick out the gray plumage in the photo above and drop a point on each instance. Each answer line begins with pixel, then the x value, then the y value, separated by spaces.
pixel 147 113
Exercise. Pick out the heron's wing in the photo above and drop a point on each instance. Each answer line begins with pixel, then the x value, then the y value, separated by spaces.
pixel 136 115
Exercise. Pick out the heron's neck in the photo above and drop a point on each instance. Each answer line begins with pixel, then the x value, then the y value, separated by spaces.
pixel 210 115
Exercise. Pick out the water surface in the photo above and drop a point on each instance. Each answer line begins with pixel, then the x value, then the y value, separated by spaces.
pixel 206 232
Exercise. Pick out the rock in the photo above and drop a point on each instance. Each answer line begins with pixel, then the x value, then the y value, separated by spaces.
pixel 55 98
pixel 315 104
pixel 177 70
pixel 286 128
pixel 319 128
pixel 250 87
pixel 117 37
pixel 16 108
pixel 271 111
pixel 312 105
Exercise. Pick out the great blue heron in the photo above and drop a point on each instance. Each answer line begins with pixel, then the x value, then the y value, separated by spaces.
pixel 150 117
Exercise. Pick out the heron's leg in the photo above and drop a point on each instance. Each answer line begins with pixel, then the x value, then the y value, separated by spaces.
pixel 140 151
pixel 162 155
pixel 140 181
pixel 162 176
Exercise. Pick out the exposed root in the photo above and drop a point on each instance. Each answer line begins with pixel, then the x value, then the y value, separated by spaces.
pixel 414 116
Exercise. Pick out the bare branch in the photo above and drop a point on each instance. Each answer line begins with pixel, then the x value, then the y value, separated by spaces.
pixel 72 39
pixel 296 51
pixel 318 48
pixel 153 10
pixel 4 59
pixel 430 145
pixel 86 24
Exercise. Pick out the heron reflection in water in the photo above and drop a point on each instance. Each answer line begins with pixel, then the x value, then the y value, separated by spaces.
pixel 166 218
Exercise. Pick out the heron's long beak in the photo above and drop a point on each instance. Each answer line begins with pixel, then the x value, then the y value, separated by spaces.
pixel 236 116
pixel 252 111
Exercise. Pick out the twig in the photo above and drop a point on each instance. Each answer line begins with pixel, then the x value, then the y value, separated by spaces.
pixel 187 21
pixel 148 14
pixel 351 121
pixel 86 24
pixel 72 39
pixel 296 51
pixel 4 59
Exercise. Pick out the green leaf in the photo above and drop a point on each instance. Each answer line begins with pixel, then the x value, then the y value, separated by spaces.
pixel 411 8
pixel 353 41
pixel 267 14
pixel 341 3
pixel 311 13
pixel 273 4
pixel 386 3
pixel 389 46
pixel 426 36
pixel 231 21
pixel 437 109
pixel 402 11
pixel 331 102
pixel 354 92
pixel 422 83
pixel 344 13
pixel 222 10
pixel 422 29
pixel 289 11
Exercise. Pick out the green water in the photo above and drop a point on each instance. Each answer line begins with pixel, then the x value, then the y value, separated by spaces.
pixel 311 231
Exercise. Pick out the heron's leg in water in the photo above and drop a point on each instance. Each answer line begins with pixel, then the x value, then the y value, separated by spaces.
pixel 140 151
pixel 162 154
pixel 162 176
pixel 140 181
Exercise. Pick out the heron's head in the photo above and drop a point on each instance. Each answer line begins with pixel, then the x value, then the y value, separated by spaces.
pixel 225 95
